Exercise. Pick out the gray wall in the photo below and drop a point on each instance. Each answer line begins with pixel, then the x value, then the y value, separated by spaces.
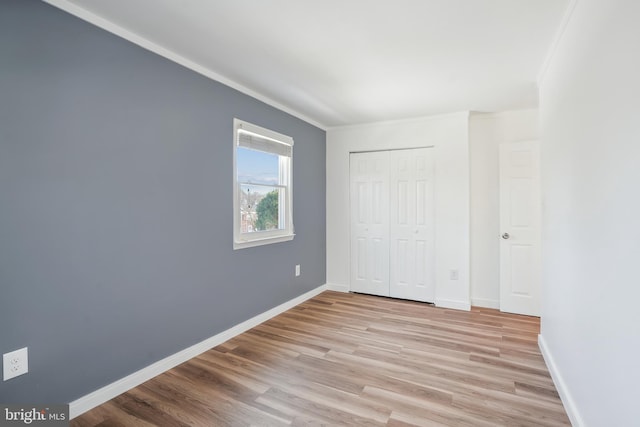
pixel 115 206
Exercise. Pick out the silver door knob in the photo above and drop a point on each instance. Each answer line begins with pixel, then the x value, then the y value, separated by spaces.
pixel 505 236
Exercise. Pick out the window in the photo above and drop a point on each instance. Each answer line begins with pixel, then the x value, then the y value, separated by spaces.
pixel 262 200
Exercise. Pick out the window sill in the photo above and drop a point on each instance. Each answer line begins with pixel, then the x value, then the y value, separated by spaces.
pixel 241 244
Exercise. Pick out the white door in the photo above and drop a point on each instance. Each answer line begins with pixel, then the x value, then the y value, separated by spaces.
pixel 412 224
pixel 370 223
pixel 520 228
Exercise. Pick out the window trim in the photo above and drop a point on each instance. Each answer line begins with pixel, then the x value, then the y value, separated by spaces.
pixel 247 240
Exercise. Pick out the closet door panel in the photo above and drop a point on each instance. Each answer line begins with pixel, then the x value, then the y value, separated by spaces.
pixel 369 200
pixel 411 232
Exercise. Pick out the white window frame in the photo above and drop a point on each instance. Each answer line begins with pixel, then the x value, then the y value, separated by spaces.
pixel 286 231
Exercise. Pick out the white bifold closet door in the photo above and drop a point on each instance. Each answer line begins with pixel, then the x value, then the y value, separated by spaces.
pixel 392 224
pixel 370 223
pixel 411 234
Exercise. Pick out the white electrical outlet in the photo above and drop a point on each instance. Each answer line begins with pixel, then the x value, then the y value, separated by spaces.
pixel 297 270
pixel 15 363
pixel 453 275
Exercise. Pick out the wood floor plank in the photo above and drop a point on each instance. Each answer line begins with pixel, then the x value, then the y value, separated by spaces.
pixel 352 359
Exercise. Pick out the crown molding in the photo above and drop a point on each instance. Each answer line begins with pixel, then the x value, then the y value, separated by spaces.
pixel 147 44
pixel 568 14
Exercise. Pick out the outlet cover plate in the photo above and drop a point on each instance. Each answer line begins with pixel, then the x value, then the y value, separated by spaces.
pixel 15 363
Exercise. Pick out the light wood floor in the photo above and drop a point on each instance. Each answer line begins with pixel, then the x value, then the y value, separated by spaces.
pixel 349 359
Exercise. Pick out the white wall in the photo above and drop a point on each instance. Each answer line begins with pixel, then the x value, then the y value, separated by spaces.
pixel 486 132
pixel 449 136
pixel 590 119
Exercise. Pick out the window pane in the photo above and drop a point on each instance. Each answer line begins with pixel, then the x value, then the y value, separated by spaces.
pixel 262 186
pixel 259 208
pixel 257 166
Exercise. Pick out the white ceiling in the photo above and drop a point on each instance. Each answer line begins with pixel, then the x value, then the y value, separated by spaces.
pixel 340 62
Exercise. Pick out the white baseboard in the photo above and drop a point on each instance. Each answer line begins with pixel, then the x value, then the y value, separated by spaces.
pixel 337 287
pixel 108 392
pixel 454 304
pixel 561 386
pixel 486 303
